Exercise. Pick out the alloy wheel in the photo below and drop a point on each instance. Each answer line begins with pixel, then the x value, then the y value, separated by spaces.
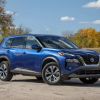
pixel 3 71
pixel 52 74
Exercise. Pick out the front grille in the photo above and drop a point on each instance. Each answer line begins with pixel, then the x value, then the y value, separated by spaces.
pixel 88 57
pixel 87 72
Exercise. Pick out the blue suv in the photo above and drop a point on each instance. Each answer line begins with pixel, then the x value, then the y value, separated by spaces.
pixel 48 57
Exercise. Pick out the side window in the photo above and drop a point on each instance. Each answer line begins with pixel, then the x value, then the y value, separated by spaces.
pixel 31 41
pixel 18 42
pixel 9 42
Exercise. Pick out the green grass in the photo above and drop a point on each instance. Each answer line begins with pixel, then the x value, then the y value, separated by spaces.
pixel 96 49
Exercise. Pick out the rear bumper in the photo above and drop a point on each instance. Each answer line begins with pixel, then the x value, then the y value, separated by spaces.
pixel 83 72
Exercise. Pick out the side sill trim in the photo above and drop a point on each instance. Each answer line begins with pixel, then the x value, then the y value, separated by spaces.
pixel 30 72
pixel 25 72
pixel 16 70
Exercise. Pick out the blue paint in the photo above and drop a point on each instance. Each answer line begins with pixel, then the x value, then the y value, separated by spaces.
pixel 33 59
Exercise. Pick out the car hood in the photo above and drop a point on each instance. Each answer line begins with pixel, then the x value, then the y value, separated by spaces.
pixel 77 51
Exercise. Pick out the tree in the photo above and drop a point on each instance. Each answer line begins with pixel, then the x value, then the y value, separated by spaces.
pixel 98 39
pixel 69 35
pixel 6 24
pixel 87 37
pixel 14 31
pixel 6 20
pixel 18 30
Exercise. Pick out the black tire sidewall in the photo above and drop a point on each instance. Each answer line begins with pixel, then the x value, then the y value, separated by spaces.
pixel 43 74
pixel 39 78
pixel 9 74
pixel 93 80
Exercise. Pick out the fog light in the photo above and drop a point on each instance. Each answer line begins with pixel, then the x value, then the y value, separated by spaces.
pixel 70 68
pixel 72 60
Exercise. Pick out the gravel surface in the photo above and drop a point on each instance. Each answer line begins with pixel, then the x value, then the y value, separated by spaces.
pixel 29 88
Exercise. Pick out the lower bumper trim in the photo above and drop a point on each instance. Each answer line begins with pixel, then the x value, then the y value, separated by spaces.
pixel 84 76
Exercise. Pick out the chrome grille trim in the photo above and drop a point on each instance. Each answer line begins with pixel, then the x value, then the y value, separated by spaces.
pixel 88 65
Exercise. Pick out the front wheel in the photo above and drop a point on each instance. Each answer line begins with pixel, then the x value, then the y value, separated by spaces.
pixel 51 74
pixel 89 80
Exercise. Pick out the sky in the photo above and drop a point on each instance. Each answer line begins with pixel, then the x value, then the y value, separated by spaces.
pixel 55 16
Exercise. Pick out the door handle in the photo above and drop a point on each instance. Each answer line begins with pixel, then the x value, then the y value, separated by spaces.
pixel 8 51
pixel 24 52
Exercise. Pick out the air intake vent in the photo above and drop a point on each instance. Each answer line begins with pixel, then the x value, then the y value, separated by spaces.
pixel 87 72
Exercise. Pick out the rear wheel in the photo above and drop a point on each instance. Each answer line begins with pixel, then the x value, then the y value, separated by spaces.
pixel 89 80
pixel 5 74
pixel 51 74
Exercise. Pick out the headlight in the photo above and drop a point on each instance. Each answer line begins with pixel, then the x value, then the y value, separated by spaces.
pixel 72 60
pixel 61 53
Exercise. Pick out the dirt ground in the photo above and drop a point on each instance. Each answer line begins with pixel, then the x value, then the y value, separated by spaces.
pixel 29 88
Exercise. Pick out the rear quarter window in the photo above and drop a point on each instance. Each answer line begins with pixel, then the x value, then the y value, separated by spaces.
pixel 9 42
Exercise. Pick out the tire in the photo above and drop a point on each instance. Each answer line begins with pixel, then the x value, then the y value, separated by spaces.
pixel 89 80
pixel 39 78
pixel 51 74
pixel 5 74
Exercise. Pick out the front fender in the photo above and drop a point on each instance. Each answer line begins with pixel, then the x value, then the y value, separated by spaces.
pixel 60 61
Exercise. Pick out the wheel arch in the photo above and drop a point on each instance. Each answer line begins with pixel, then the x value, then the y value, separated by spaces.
pixel 49 59
pixel 5 58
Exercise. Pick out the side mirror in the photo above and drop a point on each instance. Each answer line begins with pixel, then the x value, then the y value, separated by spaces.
pixel 38 48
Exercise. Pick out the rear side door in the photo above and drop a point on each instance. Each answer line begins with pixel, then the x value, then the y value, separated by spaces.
pixel 15 52
pixel 31 58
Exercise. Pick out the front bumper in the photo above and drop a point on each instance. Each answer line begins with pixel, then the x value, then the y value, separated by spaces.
pixel 83 72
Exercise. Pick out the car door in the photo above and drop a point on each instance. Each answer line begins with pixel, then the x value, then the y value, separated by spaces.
pixel 15 52
pixel 31 58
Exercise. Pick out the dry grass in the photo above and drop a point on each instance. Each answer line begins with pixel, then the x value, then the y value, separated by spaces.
pixel 96 49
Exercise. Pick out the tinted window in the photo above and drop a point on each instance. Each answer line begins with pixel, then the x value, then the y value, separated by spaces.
pixel 9 42
pixel 31 41
pixel 18 42
pixel 57 42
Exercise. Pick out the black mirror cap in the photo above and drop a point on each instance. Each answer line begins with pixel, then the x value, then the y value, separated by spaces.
pixel 38 48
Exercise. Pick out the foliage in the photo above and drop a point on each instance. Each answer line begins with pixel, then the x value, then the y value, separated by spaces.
pixel 84 38
pixel 14 31
pixel 69 35
pixel 6 20
pixel 87 37
pixel 7 27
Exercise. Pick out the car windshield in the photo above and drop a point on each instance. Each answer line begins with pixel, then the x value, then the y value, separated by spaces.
pixel 57 42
